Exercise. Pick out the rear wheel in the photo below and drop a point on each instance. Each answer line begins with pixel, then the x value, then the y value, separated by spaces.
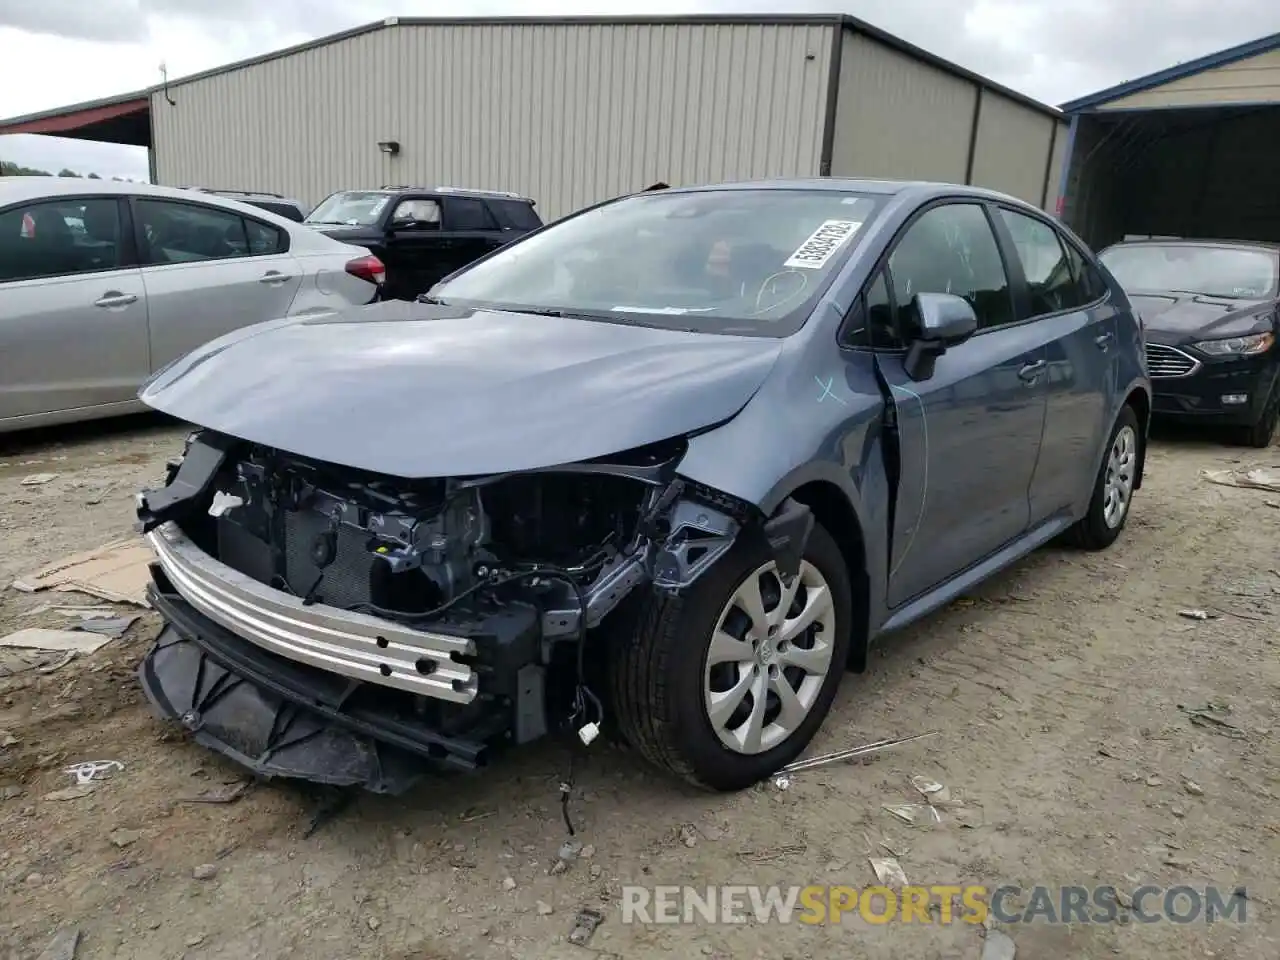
pixel 728 682
pixel 1113 488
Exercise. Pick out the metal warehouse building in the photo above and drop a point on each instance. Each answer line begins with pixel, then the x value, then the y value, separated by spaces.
pixel 1192 151
pixel 575 110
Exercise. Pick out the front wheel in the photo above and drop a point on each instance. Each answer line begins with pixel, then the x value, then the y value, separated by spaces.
pixel 729 682
pixel 1113 488
pixel 1259 434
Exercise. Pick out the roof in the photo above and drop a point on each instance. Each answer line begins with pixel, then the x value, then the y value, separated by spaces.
pixel 20 189
pixel 842 20
pixel 1177 72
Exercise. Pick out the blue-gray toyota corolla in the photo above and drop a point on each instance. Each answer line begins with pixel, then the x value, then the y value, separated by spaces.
pixel 663 470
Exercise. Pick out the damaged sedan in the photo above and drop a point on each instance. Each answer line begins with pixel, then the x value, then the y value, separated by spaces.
pixel 662 470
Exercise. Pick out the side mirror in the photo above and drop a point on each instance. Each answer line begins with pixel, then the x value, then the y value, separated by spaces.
pixel 945 320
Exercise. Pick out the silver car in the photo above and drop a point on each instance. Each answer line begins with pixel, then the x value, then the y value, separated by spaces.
pixel 102 283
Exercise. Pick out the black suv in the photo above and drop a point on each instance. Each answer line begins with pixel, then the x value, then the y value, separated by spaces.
pixel 276 203
pixel 423 234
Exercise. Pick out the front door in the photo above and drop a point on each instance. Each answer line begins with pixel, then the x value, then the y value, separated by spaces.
pixel 970 433
pixel 73 311
pixel 418 248
pixel 209 271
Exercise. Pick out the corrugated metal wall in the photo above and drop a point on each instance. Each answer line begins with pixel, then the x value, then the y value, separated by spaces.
pixel 901 118
pixel 898 118
pixel 567 113
pixel 1250 81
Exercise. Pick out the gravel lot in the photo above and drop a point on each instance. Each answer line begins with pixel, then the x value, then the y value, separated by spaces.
pixel 1057 689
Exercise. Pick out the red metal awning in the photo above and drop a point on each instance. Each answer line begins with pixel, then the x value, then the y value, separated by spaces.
pixel 125 120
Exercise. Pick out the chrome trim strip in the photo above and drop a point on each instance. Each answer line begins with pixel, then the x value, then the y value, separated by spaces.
pixel 1181 354
pixel 336 640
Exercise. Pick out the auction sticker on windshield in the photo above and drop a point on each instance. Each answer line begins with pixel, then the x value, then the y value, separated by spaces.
pixel 822 244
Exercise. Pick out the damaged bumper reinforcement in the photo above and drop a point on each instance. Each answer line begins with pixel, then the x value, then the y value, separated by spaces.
pixel 276 654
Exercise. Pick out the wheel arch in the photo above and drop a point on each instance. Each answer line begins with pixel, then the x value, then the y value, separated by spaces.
pixel 832 508
pixel 1139 398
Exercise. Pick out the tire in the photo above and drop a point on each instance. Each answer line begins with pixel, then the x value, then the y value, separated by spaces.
pixel 1260 433
pixel 1100 527
pixel 660 675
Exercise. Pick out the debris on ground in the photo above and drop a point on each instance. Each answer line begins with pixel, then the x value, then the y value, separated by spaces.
pixel 39 638
pixel 565 856
pixel 225 793
pixel 585 923
pixel 772 853
pixel 998 946
pixel 843 755
pixel 545 909
pixel 75 792
pixel 1212 716
pixel 38 479
pixel 89 771
pixel 782 782
pixel 1194 614
pixel 1247 479
pixel 1192 787
pixel 123 838
pixel 906 812
pixel 688 835
pixel 118 571
pixel 889 872
pixel 205 871
pixel 113 628
pixel 63 946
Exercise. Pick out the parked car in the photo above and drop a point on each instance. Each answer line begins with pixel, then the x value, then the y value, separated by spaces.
pixel 277 203
pixel 103 283
pixel 1210 311
pixel 707 442
pixel 423 234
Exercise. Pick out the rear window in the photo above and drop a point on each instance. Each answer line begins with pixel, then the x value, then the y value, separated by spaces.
pixel 1229 272
pixel 516 214
pixel 351 208
pixel 748 262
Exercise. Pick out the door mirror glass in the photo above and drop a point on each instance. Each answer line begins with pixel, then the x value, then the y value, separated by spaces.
pixel 945 318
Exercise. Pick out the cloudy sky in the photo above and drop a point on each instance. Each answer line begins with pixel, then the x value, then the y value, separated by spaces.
pixel 57 52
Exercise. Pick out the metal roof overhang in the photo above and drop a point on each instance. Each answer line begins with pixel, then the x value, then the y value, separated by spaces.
pixel 124 120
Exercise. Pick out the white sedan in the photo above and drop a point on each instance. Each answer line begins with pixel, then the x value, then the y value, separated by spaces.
pixel 102 283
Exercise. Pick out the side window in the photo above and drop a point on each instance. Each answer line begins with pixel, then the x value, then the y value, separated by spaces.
pixel 1051 282
pixel 517 214
pixel 264 240
pixel 951 249
pixel 1092 286
pixel 465 213
pixel 187 233
pixel 421 212
pixel 872 324
pixel 59 238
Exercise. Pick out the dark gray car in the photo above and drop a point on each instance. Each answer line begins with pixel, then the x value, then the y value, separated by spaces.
pixel 664 468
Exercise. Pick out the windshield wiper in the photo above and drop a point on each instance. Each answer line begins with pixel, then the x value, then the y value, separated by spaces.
pixel 332 223
pixel 540 312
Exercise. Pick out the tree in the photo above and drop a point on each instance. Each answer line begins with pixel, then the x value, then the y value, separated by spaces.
pixel 65 172
pixel 8 169
pixel 94 176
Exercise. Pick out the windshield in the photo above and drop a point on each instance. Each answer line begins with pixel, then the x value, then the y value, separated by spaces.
pixel 1233 272
pixel 723 261
pixel 350 209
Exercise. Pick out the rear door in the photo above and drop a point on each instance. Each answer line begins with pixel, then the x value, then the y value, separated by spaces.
pixel 473 229
pixel 207 271
pixel 970 433
pixel 1079 328
pixel 73 309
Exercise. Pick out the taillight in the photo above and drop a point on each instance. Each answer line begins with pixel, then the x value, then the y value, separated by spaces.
pixel 368 268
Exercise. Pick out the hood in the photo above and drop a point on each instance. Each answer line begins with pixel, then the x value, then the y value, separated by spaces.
pixel 1186 317
pixel 420 390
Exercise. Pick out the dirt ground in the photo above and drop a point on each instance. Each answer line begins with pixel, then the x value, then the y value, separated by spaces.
pixel 1057 690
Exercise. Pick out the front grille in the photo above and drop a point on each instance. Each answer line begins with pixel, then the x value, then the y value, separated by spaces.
pixel 1164 362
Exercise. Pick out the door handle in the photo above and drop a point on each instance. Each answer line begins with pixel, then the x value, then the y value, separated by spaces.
pixel 273 276
pixel 1031 372
pixel 1103 341
pixel 114 298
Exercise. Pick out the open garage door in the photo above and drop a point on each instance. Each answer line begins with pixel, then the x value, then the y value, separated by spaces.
pixel 1191 152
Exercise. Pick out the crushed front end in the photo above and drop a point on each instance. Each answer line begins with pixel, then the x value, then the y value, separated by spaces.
pixel 348 628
